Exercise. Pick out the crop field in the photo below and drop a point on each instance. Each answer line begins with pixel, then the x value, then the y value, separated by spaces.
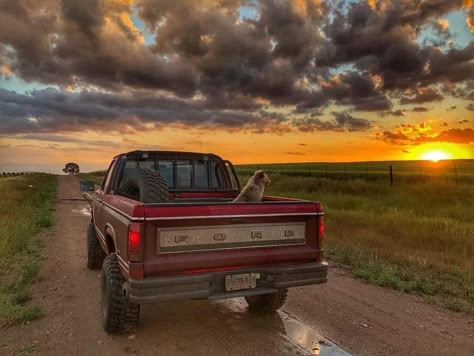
pixel 25 208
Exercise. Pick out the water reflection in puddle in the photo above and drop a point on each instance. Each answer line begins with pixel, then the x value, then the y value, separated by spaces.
pixel 86 211
pixel 300 334
pixel 309 339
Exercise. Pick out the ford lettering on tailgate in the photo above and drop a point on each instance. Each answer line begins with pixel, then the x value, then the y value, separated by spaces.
pixel 217 237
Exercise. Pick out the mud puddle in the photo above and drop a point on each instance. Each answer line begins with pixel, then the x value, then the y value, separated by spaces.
pixel 86 211
pixel 293 330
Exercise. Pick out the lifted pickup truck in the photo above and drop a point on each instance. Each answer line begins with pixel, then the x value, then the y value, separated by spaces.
pixel 164 227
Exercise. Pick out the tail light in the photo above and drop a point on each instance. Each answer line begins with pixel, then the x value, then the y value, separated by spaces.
pixel 321 229
pixel 134 242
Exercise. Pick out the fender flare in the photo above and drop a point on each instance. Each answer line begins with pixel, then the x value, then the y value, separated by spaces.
pixel 110 233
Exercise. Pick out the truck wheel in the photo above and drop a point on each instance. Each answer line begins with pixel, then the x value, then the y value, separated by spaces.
pixel 145 185
pixel 94 254
pixel 118 313
pixel 267 302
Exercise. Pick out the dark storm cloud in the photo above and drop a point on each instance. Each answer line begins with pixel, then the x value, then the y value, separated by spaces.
pixel 354 89
pixel 420 109
pixel 50 110
pixel 398 112
pixel 64 139
pixel 343 121
pixel 422 96
pixel 70 42
pixel 381 40
pixel 208 67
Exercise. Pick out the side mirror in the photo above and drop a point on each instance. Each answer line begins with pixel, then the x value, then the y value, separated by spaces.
pixel 86 186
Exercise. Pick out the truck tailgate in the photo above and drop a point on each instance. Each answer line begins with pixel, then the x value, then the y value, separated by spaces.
pixel 183 238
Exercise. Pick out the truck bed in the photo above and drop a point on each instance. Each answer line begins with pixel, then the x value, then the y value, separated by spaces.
pixel 198 232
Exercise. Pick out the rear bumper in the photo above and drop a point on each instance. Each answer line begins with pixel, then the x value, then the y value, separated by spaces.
pixel 212 285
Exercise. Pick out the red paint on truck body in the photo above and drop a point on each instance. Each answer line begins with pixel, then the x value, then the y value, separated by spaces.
pixel 115 213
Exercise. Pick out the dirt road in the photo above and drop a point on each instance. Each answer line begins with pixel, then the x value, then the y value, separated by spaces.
pixel 360 318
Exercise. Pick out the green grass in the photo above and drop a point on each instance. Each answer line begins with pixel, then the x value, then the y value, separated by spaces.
pixel 416 238
pixel 26 207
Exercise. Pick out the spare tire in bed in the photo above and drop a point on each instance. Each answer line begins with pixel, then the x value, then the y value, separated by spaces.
pixel 145 185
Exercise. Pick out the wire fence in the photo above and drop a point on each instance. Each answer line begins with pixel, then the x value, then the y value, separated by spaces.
pixel 459 171
pixel 14 174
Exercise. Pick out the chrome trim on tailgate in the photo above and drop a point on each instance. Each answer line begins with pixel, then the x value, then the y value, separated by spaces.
pixel 220 237
pixel 233 216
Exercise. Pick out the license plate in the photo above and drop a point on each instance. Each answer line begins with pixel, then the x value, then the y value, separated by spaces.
pixel 241 281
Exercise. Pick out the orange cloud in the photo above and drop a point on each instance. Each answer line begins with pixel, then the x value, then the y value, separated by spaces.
pixel 5 70
pixel 443 24
pixel 423 132
pixel 469 4
pixel 307 7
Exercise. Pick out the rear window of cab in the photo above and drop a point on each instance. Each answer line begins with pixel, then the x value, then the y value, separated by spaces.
pixel 182 173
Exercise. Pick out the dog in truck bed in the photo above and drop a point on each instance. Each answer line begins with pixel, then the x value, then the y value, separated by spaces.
pixel 253 190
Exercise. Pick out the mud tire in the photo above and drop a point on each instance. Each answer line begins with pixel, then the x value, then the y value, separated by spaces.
pixel 94 253
pixel 267 303
pixel 118 314
pixel 144 185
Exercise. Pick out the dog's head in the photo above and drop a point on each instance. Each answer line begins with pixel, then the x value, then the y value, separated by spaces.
pixel 262 177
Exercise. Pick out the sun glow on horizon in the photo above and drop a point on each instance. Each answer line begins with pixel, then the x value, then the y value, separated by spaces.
pixel 435 156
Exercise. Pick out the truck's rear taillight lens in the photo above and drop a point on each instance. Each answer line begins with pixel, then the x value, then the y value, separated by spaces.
pixel 134 242
pixel 321 229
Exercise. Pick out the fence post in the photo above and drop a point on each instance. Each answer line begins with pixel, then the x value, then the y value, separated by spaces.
pixel 326 167
pixel 391 175
pixel 345 174
pixel 366 173
pixel 456 172
pixel 420 173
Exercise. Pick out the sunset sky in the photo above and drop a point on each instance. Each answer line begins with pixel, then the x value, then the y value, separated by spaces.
pixel 252 81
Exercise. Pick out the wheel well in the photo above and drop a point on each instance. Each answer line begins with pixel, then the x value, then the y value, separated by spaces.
pixel 109 241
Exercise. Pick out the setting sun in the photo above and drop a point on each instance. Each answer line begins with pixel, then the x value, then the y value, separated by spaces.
pixel 435 156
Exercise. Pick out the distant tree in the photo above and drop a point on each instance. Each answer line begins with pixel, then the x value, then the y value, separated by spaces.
pixel 71 168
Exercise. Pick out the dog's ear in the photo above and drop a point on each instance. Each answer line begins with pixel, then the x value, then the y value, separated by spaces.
pixel 260 173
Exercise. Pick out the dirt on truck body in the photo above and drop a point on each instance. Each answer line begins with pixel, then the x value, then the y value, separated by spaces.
pixel 164 228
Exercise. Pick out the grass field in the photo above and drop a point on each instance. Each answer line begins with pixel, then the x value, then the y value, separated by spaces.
pixel 25 208
pixel 416 236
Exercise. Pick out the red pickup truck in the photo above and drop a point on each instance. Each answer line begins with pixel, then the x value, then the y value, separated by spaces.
pixel 164 228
